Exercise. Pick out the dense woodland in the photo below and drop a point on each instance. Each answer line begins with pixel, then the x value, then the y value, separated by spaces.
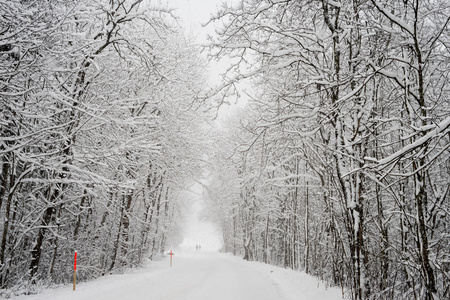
pixel 97 136
pixel 338 165
pixel 340 160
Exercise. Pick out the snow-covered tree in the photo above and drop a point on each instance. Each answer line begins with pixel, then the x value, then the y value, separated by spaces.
pixel 351 120
pixel 97 135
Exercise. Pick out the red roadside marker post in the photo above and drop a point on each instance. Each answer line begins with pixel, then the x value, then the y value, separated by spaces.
pixel 75 270
pixel 171 253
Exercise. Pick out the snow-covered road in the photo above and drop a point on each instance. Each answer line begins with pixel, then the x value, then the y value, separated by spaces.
pixel 200 276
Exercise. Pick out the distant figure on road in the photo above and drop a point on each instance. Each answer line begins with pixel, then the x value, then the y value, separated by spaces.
pixel 196 247
pixel 199 247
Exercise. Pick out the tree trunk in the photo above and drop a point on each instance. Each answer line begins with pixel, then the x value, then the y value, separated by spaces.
pixel 37 250
pixel 55 250
pixel 307 228
pixel 80 209
pixel 421 200
pixel 6 222
pixel 4 179
pixel 266 241
pixel 117 241
pixel 126 223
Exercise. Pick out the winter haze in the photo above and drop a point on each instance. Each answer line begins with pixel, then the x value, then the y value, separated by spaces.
pixel 247 149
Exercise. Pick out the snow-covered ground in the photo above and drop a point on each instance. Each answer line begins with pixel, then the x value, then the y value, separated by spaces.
pixel 198 275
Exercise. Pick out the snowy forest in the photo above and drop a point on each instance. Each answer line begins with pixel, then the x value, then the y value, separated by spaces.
pixel 340 161
pixel 97 136
pixel 337 164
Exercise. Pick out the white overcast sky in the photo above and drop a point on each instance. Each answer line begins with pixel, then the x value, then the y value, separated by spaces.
pixel 193 13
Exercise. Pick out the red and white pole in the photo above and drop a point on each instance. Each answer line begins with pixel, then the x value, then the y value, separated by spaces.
pixel 171 257
pixel 75 270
